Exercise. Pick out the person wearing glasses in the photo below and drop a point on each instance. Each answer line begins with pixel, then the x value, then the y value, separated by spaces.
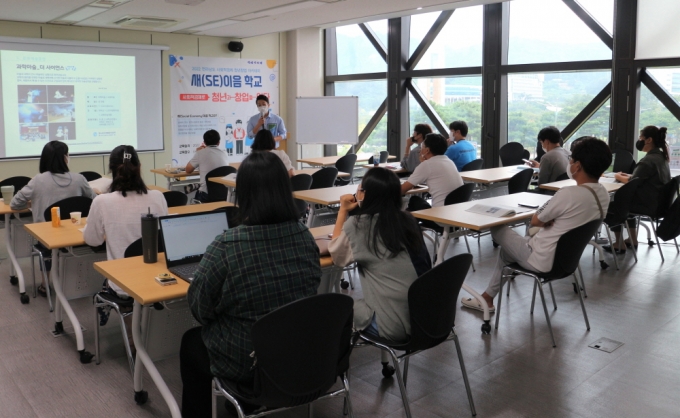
pixel 569 208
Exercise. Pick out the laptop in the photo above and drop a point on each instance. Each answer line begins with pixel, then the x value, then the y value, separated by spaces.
pixel 186 237
pixel 609 172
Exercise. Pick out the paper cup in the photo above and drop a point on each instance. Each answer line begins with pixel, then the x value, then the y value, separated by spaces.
pixel 7 194
pixel 75 218
pixel 168 168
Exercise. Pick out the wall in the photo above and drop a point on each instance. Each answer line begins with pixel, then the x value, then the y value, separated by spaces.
pixel 264 47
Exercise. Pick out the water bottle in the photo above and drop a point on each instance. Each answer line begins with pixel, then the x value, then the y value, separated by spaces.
pixel 150 238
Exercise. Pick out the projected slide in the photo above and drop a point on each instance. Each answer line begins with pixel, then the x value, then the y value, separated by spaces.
pixel 87 101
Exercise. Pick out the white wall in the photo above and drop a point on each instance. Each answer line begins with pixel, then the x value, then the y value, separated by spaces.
pixel 265 47
pixel 658 31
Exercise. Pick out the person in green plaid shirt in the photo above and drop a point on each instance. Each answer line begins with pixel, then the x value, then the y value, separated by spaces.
pixel 269 261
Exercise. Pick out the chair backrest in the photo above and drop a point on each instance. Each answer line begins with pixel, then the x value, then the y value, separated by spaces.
pixel 477 164
pixel 667 195
pixel 433 300
pixel 90 175
pixel 218 192
pixel 622 161
pixel 324 178
pixel 563 176
pixel 346 163
pixel 313 336
pixel 569 249
pixel 619 206
pixel 175 198
pixel 526 154
pixel 383 156
pixel 70 204
pixel 17 181
pixel 135 249
pixel 511 154
pixel 520 182
pixel 460 195
pixel 669 227
pixel 301 182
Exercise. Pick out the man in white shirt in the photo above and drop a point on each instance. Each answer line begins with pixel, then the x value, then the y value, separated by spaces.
pixel 208 157
pixel 436 170
pixel 570 208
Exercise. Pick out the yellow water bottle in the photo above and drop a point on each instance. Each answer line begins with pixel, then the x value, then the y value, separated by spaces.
pixel 56 217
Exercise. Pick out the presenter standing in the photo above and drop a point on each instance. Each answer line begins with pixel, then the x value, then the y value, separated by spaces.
pixel 265 119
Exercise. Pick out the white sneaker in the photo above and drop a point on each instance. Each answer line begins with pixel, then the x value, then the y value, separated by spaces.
pixel 473 303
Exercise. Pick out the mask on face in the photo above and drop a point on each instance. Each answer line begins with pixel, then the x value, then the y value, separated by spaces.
pixel 569 174
pixel 359 202
pixel 262 109
pixel 640 144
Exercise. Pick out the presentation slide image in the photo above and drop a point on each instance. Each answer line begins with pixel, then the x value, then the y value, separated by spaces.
pixel 32 113
pixel 61 113
pixel 60 94
pixel 62 131
pixel 32 132
pixel 32 94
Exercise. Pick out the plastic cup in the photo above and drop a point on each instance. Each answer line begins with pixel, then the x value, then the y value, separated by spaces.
pixel 7 194
pixel 75 218
pixel 168 168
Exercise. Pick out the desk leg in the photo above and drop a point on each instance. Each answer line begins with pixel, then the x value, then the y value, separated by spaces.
pixel 312 214
pixel 140 313
pixel 19 278
pixel 85 356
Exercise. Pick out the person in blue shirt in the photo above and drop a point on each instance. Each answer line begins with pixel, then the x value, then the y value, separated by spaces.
pixel 266 119
pixel 462 151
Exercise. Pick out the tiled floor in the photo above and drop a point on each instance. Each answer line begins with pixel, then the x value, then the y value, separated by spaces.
pixel 514 372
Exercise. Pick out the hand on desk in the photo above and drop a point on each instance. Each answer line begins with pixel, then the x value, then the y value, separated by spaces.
pixel 622 177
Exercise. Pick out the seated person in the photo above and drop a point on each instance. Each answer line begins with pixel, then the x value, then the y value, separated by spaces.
pixel 54 183
pixel 570 208
pixel 264 141
pixel 462 151
pixel 208 157
pixel 555 160
pixel 268 261
pixel 654 172
pixel 435 170
pixel 412 156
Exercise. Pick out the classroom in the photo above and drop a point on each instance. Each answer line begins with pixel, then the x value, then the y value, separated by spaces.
pixel 444 171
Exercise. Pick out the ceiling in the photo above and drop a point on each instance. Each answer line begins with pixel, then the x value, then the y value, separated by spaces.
pixel 262 15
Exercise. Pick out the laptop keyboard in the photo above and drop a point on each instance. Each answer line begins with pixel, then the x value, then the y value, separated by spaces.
pixel 185 271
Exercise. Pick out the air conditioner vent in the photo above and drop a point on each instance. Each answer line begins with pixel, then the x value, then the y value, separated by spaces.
pixel 145 22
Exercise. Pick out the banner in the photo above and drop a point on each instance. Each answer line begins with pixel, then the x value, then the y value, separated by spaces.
pixel 217 93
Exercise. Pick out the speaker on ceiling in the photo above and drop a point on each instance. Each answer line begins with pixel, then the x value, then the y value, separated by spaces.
pixel 235 46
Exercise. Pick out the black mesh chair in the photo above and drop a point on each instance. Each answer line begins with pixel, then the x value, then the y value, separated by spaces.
pixel 477 164
pixel 123 307
pixel 520 182
pixel 90 175
pixel 346 165
pixel 617 213
pixel 622 161
pixel 218 192
pixel 526 155
pixel 568 253
pixel 324 178
pixel 563 176
pixel 432 300
pixel 512 154
pixel 174 198
pixel 313 336
pixel 301 182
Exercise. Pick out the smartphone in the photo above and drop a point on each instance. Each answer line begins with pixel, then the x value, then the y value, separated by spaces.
pixel 166 281
pixel 526 161
pixel 526 205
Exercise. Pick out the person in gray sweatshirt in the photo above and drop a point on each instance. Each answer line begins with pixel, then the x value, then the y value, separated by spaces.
pixel 54 183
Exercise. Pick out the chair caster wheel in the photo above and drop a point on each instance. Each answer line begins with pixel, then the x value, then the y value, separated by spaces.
pixel 141 397
pixel 344 284
pixel 85 356
pixel 58 327
pixel 651 243
pixel 14 280
pixel 24 298
pixel 387 370
pixel 495 244
pixel 486 328
pixel 603 265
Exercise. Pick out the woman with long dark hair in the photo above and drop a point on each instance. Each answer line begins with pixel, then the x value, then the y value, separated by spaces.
pixel 264 141
pixel 654 171
pixel 387 244
pixel 268 261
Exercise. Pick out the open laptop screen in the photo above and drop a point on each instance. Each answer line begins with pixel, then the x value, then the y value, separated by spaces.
pixel 186 237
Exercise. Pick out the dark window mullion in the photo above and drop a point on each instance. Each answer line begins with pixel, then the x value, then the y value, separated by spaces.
pixel 432 114
pixel 588 111
pixel 370 126
pixel 591 22
pixel 429 38
pixel 661 93
pixel 374 40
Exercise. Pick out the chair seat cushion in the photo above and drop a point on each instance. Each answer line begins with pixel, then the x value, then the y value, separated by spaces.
pixel 399 346
pixel 546 277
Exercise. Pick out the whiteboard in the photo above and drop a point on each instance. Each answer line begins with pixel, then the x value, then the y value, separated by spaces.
pixel 327 120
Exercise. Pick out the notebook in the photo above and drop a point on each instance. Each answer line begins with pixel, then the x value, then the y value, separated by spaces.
pixel 186 237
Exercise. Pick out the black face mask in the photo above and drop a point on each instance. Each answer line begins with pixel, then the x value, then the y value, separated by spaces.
pixel 640 144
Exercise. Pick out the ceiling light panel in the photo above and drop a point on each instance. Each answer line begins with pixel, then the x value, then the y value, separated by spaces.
pixel 279 10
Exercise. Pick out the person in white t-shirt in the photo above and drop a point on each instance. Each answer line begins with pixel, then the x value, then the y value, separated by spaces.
pixel 264 141
pixel 208 157
pixel 436 170
pixel 570 208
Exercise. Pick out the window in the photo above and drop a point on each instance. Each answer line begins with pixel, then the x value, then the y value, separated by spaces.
pixel 597 125
pixel 537 100
pixel 371 95
pixel 602 11
pixel 548 31
pixel 379 27
pixel 356 54
pixel 653 112
pixel 420 25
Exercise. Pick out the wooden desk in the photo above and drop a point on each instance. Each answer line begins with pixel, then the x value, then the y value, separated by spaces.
pixel 174 176
pixel 329 161
pixel 557 185
pixel 160 189
pixel 203 207
pixel 490 175
pixel 398 168
pixel 15 267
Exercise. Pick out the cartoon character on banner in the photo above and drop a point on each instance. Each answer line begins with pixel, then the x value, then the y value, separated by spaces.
pixel 229 139
pixel 239 135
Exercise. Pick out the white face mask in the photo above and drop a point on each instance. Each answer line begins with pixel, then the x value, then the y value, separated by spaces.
pixel 569 174
pixel 262 109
